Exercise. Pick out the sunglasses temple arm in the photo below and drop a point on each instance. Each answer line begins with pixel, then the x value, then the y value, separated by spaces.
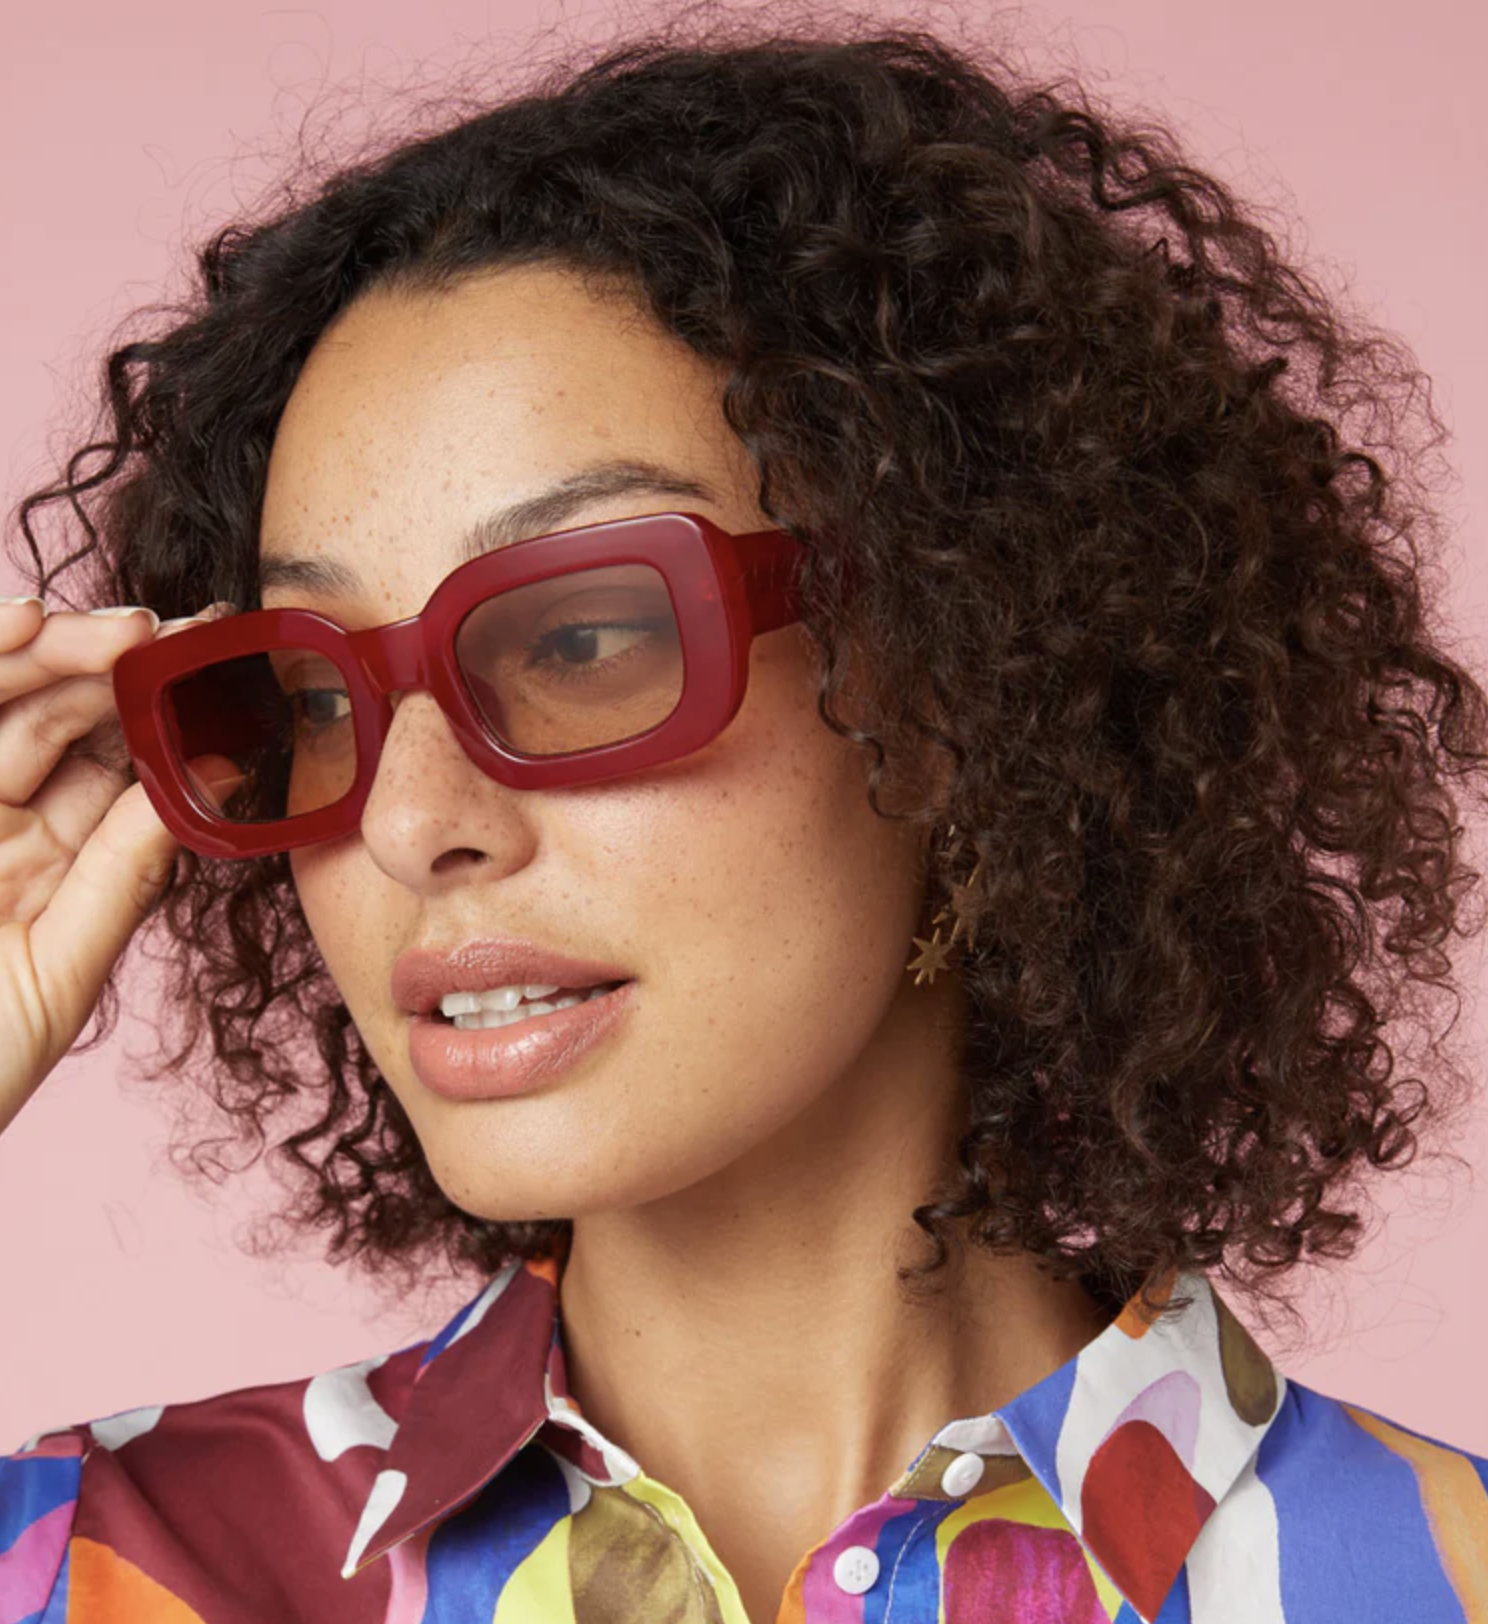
pixel 769 562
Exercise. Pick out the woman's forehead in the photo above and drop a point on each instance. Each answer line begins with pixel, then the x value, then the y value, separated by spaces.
pixel 420 416
pixel 545 330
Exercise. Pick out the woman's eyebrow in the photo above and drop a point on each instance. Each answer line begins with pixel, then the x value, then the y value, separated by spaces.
pixel 533 516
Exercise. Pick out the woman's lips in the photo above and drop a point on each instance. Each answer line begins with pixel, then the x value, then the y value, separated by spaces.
pixel 422 976
pixel 498 1062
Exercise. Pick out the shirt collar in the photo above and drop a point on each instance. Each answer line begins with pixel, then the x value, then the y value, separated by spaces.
pixel 1137 1438
pixel 1144 1432
pixel 483 1388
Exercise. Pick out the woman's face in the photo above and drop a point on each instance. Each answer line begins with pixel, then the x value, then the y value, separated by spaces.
pixel 762 908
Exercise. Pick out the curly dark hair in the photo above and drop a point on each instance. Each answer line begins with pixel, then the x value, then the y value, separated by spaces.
pixel 1082 433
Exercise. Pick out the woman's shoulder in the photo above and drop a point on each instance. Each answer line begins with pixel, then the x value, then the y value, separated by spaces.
pixel 1315 1431
pixel 253 1493
pixel 1344 1513
pixel 260 1503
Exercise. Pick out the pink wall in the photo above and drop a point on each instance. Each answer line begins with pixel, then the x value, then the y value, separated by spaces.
pixel 122 128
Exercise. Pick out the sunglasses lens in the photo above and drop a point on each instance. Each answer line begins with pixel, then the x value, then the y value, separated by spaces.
pixel 283 719
pixel 555 667
pixel 576 662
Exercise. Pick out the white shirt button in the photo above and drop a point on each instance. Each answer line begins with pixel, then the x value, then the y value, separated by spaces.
pixel 855 1570
pixel 962 1475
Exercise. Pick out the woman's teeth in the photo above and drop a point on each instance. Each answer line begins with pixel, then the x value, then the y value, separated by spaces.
pixel 501 1006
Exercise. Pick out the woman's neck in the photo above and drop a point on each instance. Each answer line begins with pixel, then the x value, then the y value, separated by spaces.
pixel 748 1341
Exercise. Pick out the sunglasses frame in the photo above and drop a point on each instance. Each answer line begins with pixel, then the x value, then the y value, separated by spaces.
pixel 725 589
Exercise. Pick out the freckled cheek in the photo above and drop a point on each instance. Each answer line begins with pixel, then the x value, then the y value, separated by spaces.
pixel 756 884
pixel 336 910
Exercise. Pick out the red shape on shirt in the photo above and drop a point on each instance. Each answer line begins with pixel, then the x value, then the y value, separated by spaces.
pixel 1140 1512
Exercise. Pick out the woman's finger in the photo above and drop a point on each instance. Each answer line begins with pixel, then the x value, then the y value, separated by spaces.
pixel 37 728
pixel 97 906
pixel 75 798
pixel 66 644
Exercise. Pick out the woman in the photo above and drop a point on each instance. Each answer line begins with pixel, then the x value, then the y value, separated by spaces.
pixel 917 696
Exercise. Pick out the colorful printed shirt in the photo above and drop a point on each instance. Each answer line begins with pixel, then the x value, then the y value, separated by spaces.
pixel 1166 1473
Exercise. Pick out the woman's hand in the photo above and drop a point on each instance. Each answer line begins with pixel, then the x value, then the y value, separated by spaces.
pixel 82 853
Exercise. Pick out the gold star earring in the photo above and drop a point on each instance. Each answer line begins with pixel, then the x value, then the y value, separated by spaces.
pixel 933 956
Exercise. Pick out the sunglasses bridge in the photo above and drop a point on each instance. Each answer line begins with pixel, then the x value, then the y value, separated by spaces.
pixel 393 656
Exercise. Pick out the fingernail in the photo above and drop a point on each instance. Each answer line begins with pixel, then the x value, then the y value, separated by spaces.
pixel 209 613
pixel 27 599
pixel 130 609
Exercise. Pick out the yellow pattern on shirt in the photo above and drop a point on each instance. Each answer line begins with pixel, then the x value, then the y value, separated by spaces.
pixel 540 1588
pixel 677 1514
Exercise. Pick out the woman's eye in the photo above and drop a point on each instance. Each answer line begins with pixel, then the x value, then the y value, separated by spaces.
pixel 318 708
pixel 587 643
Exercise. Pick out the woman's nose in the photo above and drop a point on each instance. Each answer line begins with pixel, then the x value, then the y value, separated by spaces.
pixel 431 812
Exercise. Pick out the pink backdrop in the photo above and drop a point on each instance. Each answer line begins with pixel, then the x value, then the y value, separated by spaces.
pixel 126 130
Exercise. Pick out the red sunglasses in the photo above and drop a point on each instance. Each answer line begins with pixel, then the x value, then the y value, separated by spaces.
pixel 494 645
